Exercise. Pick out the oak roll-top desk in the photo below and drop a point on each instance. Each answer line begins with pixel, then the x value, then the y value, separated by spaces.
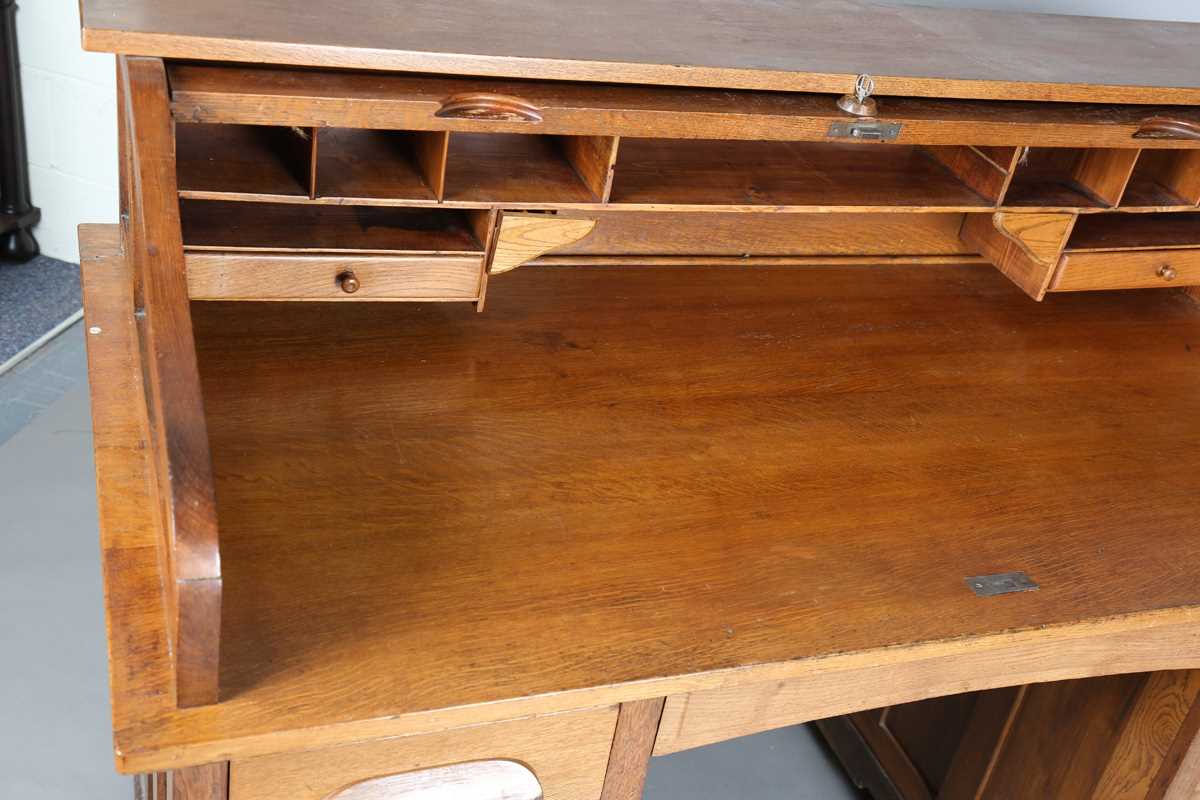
pixel 727 385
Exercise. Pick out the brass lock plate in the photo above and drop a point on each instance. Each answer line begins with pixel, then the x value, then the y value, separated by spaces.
pixel 865 130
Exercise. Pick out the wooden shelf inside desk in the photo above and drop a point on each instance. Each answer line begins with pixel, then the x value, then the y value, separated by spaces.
pixel 1136 232
pixel 708 172
pixel 298 227
pixel 251 160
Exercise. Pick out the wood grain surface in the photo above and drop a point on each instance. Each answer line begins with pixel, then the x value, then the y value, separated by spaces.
pixel 522 237
pixel 1042 237
pixel 204 782
pixel 751 44
pixel 567 753
pixel 1148 734
pixel 692 233
pixel 627 419
pixel 280 96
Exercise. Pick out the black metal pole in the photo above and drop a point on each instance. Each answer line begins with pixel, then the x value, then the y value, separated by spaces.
pixel 17 212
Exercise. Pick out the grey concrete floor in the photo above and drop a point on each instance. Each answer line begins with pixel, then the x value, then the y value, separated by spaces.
pixel 54 716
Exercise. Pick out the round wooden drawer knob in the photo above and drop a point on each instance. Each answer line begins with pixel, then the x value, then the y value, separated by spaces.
pixel 348 282
pixel 1167 272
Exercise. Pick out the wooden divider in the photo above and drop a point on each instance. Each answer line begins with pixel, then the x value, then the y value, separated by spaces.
pixel 593 158
pixel 1064 178
pixel 987 173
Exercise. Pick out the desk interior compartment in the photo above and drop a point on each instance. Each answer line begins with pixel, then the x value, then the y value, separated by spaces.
pixel 1067 177
pixel 222 160
pixel 305 227
pixel 1164 178
pixel 528 168
pixel 1108 232
pixel 380 164
pixel 688 172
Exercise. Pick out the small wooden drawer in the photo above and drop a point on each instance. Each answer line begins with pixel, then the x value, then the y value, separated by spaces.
pixel 267 276
pixel 1127 269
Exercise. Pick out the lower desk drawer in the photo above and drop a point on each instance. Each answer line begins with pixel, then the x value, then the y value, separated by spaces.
pixel 1127 269
pixel 267 276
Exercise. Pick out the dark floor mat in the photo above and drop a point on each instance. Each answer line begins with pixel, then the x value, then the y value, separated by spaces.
pixel 35 298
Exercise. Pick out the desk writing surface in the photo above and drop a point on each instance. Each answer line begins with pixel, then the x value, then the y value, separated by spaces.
pixel 751 44
pixel 619 481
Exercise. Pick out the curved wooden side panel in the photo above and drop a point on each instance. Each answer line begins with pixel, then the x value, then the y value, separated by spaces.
pixel 476 780
pixel 178 434
pixel 1024 246
pixel 524 237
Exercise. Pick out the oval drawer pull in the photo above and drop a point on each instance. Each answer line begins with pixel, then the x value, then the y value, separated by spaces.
pixel 1167 128
pixel 1167 272
pixel 488 106
pixel 348 282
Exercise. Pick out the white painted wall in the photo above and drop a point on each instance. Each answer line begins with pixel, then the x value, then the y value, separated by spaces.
pixel 70 124
pixel 70 105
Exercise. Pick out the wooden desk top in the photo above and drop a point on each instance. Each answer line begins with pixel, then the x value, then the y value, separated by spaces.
pixel 750 44
pixel 621 483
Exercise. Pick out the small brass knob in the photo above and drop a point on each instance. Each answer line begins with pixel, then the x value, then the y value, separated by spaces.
pixel 1167 272
pixel 348 282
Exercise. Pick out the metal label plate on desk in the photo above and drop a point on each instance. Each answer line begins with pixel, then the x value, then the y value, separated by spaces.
pixel 1001 583
pixel 865 130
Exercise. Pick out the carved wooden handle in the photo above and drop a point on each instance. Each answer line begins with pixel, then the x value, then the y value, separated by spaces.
pixel 484 105
pixel 1167 128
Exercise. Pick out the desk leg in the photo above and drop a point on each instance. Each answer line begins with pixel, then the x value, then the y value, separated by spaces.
pixel 207 782
pixel 633 741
